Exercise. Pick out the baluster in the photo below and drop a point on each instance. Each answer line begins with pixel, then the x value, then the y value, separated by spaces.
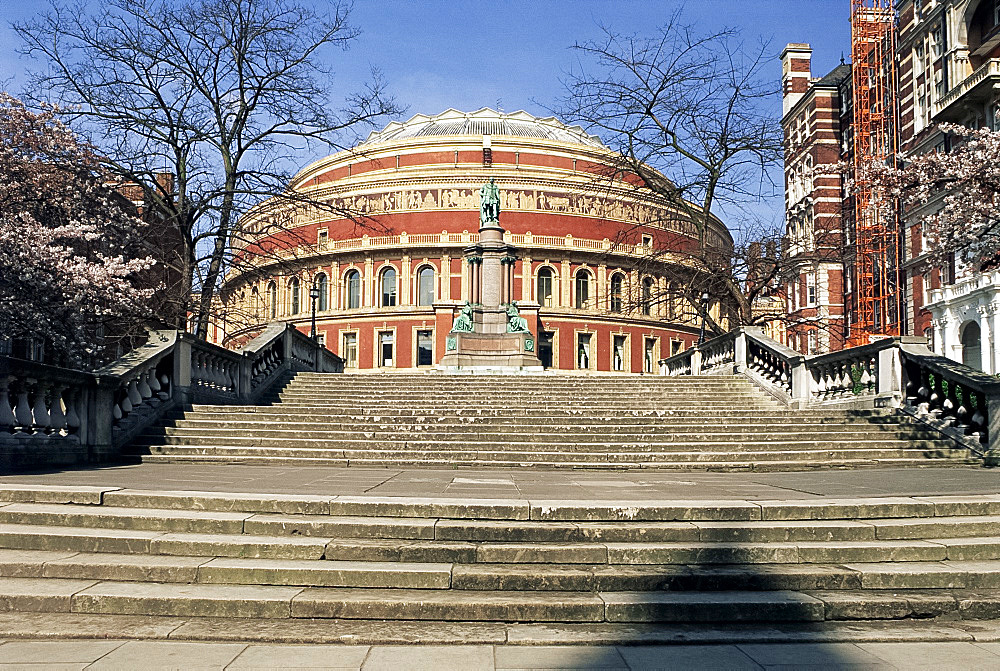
pixel 924 391
pixel 822 381
pixel 164 394
pixel 73 422
pixel 866 375
pixel 39 412
pixel 22 411
pixel 7 419
pixel 956 397
pixel 125 404
pixel 57 418
pixel 145 392
pixel 196 368
pixel 935 401
pixel 134 397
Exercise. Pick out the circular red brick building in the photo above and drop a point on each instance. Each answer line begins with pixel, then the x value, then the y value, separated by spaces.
pixel 390 278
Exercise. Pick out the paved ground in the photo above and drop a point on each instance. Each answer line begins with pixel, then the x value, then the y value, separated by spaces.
pixel 528 484
pixel 105 654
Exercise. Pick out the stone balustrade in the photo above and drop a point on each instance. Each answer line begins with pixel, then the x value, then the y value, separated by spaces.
pixel 897 372
pixel 53 416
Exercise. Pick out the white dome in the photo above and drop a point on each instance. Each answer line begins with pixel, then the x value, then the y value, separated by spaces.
pixel 484 122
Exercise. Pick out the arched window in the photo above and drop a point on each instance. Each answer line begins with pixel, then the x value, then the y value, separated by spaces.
pixel 582 288
pixel 323 286
pixel 352 290
pixel 971 346
pixel 617 280
pixel 425 286
pixel 255 306
pixel 544 294
pixel 293 296
pixel 388 285
pixel 272 300
pixel 647 296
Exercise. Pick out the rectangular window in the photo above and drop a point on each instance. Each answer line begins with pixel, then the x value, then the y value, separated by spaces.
pixel 425 348
pixel 649 353
pixel 647 240
pixel 350 350
pixel 812 294
pixel 676 347
pixel 545 348
pixel 385 348
pixel 322 239
pixel 583 350
pixel 618 353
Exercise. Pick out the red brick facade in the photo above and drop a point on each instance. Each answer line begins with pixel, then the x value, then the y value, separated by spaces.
pixel 581 239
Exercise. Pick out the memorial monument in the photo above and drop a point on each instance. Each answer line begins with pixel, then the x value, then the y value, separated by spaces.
pixel 490 333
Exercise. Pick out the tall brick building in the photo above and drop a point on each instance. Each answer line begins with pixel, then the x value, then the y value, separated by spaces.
pixel 948 70
pixel 816 123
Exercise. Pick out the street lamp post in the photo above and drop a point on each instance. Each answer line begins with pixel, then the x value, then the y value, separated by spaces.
pixel 314 295
pixel 704 315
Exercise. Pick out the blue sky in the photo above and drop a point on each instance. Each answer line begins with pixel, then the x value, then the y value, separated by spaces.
pixel 469 54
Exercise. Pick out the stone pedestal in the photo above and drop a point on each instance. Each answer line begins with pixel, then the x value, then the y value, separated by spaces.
pixel 490 352
pixel 488 347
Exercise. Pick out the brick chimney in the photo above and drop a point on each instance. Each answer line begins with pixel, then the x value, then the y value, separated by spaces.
pixel 795 74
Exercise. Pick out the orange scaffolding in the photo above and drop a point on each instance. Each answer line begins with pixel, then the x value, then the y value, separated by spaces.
pixel 877 295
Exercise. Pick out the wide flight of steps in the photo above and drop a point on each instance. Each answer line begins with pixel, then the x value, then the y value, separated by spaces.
pixel 288 560
pixel 549 421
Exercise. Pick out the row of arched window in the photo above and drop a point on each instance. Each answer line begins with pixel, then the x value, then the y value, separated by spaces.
pixel 387 292
pixel 582 281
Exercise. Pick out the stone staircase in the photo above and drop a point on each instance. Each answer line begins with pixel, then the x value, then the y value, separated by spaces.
pixel 283 560
pixel 549 421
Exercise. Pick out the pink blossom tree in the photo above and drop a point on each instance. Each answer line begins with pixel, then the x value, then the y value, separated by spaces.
pixel 954 194
pixel 70 273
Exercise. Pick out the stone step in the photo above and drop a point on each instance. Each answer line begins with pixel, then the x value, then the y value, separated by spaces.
pixel 279 602
pixel 223 571
pixel 498 577
pixel 617 435
pixel 606 451
pixel 388 527
pixel 554 412
pixel 755 459
pixel 622 425
pixel 942 632
pixel 773 466
pixel 420 443
pixel 921 508
pixel 130 541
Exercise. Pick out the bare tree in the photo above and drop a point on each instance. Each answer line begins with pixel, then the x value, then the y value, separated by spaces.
pixel 216 92
pixel 690 118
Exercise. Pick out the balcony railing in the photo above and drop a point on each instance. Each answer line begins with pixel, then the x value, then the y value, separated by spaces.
pixel 964 287
pixel 976 85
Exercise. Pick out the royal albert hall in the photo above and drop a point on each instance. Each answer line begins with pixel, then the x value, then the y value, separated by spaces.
pixel 390 280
